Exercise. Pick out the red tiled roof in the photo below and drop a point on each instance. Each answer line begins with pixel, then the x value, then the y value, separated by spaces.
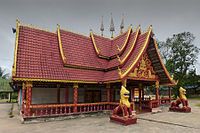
pixel 39 55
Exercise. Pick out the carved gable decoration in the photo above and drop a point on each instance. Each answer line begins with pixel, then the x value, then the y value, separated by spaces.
pixel 144 69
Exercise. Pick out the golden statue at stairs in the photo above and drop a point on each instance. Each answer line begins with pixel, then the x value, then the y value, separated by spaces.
pixel 123 113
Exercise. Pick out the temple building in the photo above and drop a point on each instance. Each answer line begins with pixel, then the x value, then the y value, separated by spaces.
pixel 65 73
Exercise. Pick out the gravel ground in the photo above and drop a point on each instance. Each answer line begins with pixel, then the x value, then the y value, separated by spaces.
pixel 165 122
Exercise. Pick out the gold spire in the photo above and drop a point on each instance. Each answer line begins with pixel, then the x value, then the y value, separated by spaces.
pixel 112 27
pixel 102 26
pixel 122 24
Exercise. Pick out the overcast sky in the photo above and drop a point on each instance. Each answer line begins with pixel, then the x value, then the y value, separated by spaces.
pixel 168 17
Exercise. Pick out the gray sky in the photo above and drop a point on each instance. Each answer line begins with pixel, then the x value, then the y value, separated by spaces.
pixel 167 17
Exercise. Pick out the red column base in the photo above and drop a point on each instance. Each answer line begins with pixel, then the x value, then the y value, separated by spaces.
pixel 123 121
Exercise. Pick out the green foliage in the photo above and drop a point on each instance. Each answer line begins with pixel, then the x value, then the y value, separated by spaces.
pixel 4 85
pixel 180 55
pixel 14 96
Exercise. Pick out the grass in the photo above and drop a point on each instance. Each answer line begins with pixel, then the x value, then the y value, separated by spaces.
pixel 198 105
pixel 7 100
pixel 3 100
pixel 195 98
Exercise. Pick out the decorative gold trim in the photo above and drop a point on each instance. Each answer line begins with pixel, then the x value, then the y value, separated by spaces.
pixel 127 37
pixel 29 84
pixel 122 75
pixel 142 79
pixel 112 81
pixel 62 81
pixel 133 44
pixel 16 48
pixel 60 45
pixel 54 80
pixel 119 49
pixel 85 67
pixel 94 43
pixel 75 85
pixel 163 66
pixel 36 27
pixel 157 84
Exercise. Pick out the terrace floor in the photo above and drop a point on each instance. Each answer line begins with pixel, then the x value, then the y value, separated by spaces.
pixel 165 122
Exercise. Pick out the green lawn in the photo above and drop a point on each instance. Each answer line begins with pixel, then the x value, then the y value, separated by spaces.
pixel 195 98
pixel 3 100
pixel 198 104
pixel 6 100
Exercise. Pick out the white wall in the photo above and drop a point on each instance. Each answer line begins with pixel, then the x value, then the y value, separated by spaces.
pixel 44 95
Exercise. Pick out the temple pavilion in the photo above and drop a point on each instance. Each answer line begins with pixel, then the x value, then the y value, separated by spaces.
pixel 64 73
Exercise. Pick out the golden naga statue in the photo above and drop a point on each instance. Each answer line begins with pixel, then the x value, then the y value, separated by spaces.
pixel 181 99
pixel 124 109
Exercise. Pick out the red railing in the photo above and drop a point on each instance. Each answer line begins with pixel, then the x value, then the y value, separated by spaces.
pixel 154 103
pixel 68 109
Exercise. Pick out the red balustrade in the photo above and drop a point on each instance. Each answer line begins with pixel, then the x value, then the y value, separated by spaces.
pixel 68 109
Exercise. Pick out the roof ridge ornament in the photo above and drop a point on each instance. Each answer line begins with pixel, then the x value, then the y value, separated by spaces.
pixel 16 47
pixel 60 45
pixel 122 24
pixel 102 26
pixel 112 27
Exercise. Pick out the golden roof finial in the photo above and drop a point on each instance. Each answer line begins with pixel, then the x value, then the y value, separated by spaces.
pixel 122 24
pixel 102 26
pixel 112 27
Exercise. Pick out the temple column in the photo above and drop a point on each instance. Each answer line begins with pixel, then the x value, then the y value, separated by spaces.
pixel 28 98
pixel 108 92
pixel 140 96
pixel 75 87
pixel 157 91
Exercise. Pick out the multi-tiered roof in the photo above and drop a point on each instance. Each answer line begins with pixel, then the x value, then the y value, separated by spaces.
pixel 65 56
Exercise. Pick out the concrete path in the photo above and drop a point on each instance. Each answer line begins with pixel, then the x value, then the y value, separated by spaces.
pixel 170 122
pixel 191 120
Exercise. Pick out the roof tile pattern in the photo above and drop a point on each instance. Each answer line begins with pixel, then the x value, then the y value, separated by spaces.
pixel 79 50
pixel 39 57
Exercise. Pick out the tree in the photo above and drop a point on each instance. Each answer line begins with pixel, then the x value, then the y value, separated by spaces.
pixel 180 55
pixel 3 75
